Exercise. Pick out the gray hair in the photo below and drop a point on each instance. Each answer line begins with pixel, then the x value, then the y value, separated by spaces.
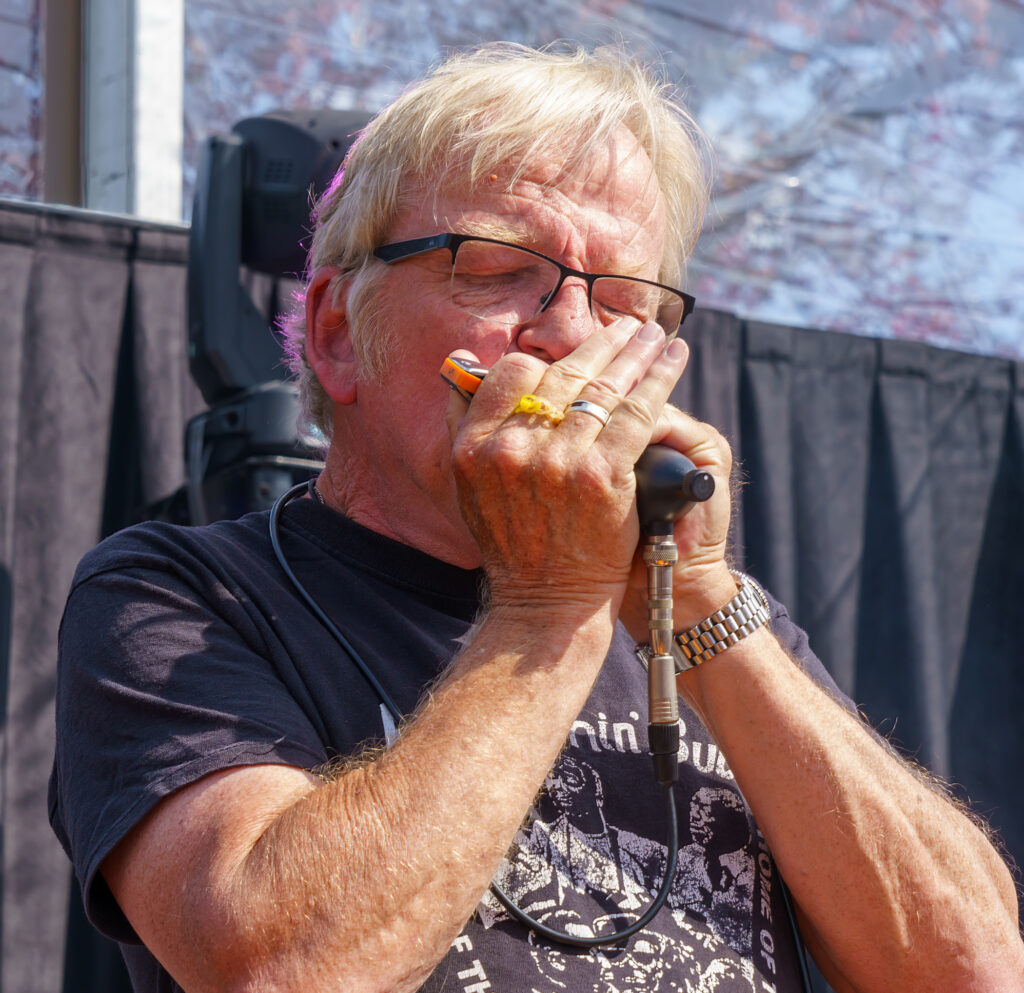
pixel 496 105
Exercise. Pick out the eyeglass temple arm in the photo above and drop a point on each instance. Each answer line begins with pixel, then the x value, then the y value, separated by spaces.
pixel 415 246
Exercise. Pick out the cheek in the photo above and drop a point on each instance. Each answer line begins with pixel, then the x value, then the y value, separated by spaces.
pixel 421 362
pixel 417 409
pixel 489 345
pixel 412 379
pixel 418 400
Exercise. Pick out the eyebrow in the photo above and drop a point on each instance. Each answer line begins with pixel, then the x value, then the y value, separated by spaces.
pixel 498 230
pixel 509 233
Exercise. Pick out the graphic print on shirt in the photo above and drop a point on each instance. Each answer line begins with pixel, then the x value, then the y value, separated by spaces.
pixel 706 942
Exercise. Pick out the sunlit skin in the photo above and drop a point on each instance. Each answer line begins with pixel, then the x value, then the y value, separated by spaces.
pixel 610 220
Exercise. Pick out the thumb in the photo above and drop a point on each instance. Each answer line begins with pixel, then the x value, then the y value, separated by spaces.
pixel 463 384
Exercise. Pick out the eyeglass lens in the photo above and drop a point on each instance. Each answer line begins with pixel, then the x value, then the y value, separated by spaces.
pixel 504 284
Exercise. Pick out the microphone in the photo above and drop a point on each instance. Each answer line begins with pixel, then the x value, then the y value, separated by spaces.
pixel 667 486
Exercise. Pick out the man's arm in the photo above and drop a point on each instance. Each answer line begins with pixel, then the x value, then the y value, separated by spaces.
pixel 266 878
pixel 895 887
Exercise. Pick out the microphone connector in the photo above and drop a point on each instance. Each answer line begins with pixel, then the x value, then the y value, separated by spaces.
pixel 660 554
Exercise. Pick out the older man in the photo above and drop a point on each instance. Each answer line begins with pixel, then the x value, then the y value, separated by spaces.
pixel 242 810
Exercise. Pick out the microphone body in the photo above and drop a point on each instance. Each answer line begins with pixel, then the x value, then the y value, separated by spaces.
pixel 660 555
pixel 667 486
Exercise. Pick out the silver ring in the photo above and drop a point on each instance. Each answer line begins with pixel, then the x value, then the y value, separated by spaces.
pixel 590 408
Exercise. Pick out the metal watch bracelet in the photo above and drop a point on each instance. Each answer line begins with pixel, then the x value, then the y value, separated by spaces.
pixel 741 616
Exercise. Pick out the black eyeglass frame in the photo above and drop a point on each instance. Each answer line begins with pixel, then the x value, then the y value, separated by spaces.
pixel 398 251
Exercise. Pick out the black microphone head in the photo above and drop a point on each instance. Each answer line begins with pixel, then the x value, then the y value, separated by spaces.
pixel 667 485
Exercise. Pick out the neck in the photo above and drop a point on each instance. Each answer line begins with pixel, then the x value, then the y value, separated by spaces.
pixel 396 508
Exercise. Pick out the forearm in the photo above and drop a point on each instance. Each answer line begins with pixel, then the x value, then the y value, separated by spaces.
pixel 366 880
pixel 902 890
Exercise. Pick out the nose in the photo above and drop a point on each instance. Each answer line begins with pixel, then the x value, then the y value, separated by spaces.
pixel 563 324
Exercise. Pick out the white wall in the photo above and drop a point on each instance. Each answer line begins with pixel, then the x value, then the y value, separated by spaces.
pixel 134 76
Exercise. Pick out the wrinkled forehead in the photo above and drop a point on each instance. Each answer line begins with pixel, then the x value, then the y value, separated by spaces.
pixel 611 184
pixel 562 164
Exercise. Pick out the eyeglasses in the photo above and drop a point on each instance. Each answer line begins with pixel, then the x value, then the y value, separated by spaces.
pixel 510 285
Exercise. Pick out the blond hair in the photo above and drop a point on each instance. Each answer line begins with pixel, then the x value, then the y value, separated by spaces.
pixel 497 105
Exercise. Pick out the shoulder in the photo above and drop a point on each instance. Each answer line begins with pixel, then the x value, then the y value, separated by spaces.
pixel 209 562
pixel 154 543
pixel 157 576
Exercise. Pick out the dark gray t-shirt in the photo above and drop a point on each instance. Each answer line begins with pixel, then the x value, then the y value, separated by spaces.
pixel 186 650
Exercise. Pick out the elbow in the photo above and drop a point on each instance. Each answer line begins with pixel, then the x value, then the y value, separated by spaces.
pixel 1008 976
pixel 256 960
pixel 983 966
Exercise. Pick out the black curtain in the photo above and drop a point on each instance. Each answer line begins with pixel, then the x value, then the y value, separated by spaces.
pixel 880 495
pixel 95 391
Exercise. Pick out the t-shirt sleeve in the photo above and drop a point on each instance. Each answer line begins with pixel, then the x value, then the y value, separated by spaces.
pixel 794 640
pixel 163 677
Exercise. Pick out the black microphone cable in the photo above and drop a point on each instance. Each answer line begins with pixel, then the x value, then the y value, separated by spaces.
pixel 559 937
pixel 666 495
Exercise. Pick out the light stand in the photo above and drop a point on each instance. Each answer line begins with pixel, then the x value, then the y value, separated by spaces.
pixel 252 202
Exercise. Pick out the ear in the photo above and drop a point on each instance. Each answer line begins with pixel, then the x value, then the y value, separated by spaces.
pixel 329 350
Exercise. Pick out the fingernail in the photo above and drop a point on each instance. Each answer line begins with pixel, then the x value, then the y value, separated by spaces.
pixel 650 332
pixel 677 349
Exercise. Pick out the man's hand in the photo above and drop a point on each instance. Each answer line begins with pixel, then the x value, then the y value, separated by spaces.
pixel 895 888
pixel 550 500
pixel 701 579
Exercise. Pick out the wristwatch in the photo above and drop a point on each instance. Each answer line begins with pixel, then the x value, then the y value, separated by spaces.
pixel 742 615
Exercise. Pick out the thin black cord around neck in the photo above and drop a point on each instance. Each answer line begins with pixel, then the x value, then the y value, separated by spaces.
pixel 558 937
